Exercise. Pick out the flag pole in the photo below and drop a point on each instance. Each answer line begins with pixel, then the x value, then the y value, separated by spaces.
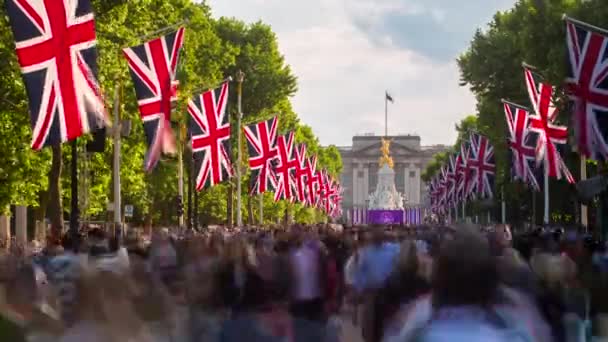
pixel 116 161
pixel 74 210
pixel 385 115
pixel 240 76
pixel 180 174
pixel 503 206
pixel 584 213
pixel 546 217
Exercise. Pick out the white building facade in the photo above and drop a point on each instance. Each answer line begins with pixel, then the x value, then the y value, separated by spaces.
pixel 360 169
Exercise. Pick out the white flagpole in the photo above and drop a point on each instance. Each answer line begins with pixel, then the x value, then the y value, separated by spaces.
pixel 584 219
pixel 503 206
pixel 116 159
pixel 546 217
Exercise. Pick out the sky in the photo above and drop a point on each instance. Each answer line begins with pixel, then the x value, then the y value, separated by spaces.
pixel 347 53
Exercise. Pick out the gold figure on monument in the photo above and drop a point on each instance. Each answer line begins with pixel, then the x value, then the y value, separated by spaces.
pixel 386 154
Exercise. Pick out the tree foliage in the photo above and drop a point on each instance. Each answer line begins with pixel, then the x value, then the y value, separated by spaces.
pixel 213 50
pixel 533 32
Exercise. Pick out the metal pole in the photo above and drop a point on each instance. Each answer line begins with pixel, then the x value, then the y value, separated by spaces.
pixel 584 209
pixel 503 206
pixel 190 189
pixel 261 199
pixel 464 214
pixel 75 211
pixel 533 208
pixel 116 160
pixel 385 116
pixel 195 213
pixel 546 217
pixel 240 76
pixel 180 172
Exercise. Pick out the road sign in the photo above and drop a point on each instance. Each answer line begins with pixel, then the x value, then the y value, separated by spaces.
pixel 128 210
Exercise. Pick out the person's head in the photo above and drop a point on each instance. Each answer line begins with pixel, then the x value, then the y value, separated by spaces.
pixel 465 272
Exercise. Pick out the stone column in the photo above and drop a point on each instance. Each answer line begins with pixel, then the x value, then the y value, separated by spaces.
pixel 355 185
pixel 417 185
pixel 365 184
pixel 406 184
pixel 5 230
pixel 21 224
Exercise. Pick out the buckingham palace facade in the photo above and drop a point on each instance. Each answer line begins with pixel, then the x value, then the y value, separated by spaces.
pixel 360 168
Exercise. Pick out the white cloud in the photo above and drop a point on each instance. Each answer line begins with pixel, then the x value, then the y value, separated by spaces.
pixel 343 72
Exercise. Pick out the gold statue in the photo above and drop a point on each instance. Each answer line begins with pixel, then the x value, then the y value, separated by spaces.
pixel 386 154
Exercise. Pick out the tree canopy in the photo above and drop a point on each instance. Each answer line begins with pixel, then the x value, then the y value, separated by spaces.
pixel 532 31
pixel 214 49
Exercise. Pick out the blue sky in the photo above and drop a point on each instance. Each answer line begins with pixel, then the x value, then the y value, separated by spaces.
pixel 347 52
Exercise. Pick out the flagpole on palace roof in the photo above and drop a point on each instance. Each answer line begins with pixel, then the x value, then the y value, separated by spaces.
pixel 385 114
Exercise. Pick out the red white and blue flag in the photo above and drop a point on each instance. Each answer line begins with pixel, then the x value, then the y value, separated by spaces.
pixel 465 172
pixel 543 123
pixel 285 168
pixel 587 86
pixel 210 137
pixel 153 66
pixel 312 182
pixel 261 143
pixel 522 144
pixel 481 163
pixel 56 46
pixel 300 173
pixel 451 181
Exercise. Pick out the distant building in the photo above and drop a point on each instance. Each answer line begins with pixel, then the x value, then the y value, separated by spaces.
pixel 359 173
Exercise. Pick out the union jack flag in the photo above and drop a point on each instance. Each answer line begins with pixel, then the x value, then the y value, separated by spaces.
pixel 153 66
pixel 465 172
pixel 210 131
pixel 451 181
pixel 300 173
pixel 442 189
pixel 322 189
pixel 549 134
pixel 312 181
pixel 261 143
pixel 587 85
pixel 337 200
pixel 458 173
pixel 285 168
pixel 328 192
pixel 521 143
pixel 481 162
pixel 56 47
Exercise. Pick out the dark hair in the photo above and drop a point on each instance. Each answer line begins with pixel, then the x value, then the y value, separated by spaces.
pixel 465 272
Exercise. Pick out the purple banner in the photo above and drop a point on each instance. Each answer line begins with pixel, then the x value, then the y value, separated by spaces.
pixel 385 217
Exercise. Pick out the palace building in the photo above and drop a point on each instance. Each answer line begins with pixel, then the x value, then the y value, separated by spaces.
pixel 360 170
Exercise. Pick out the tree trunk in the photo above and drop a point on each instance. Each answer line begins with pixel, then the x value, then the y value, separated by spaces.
pixel 43 202
pixel 55 207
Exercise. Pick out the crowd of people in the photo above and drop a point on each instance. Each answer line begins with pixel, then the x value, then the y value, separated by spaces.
pixel 301 283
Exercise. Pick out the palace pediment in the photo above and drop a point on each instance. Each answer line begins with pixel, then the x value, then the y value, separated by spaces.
pixel 397 150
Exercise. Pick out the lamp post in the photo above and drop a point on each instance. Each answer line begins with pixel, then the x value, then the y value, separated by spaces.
pixel 240 77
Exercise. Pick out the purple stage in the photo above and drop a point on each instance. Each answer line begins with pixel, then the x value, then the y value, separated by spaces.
pixel 385 217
